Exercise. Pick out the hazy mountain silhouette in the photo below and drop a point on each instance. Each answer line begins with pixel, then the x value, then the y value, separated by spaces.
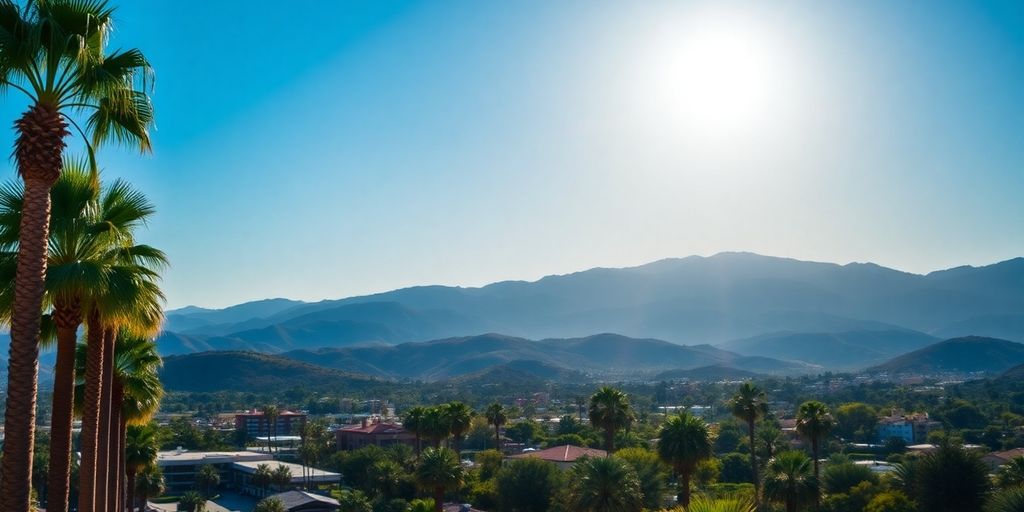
pixel 959 355
pixel 729 296
pixel 841 350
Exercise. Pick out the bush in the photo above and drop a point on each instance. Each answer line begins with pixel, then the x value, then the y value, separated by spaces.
pixel 840 478
pixel 528 485
pixel 736 469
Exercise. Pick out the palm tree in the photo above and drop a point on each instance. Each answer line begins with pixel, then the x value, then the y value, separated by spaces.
pixel 438 471
pixel 192 501
pixel 814 421
pixel 739 504
pixel 140 451
pixel 262 477
pixel 1006 500
pixel 207 480
pixel 605 484
pixel 54 52
pixel 149 484
pixel 413 422
pixel 748 405
pixel 435 425
pixel 496 416
pixel 610 411
pixel 951 479
pixel 136 396
pixel 270 415
pixel 684 441
pixel 1011 474
pixel 459 417
pixel 281 476
pixel 789 480
pixel 270 505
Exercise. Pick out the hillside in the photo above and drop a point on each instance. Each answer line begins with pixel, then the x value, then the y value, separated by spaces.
pixel 714 372
pixel 607 354
pixel 840 350
pixel 250 371
pixel 970 354
pixel 691 300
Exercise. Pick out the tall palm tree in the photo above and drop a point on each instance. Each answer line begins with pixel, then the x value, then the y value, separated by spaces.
pixel 149 484
pixel 605 484
pixel 270 415
pixel 140 452
pixel 263 477
pixel 54 52
pixel 789 480
pixel 131 300
pixel 281 476
pixel 91 234
pixel 814 421
pixel 438 471
pixel 459 417
pixel 610 411
pixel 496 416
pixel 436 426
pixel 136 397
pixel 413 421
pixel 684 441
pixel 748 405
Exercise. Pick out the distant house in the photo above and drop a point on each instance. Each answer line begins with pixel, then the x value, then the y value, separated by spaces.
pixel 996 459
pixel 372 431
pixel 563 456
pixel 911 428
pixel 299 501
pixel 255 424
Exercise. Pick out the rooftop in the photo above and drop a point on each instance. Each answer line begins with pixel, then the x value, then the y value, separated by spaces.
pixel 564 453
pixel 293 499
pixel 317 475
pixel 375 428
pixel 175 457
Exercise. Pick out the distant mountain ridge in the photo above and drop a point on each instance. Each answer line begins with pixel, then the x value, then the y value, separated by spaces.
pixel 603 354
pixel 839 350
pixel 971 354
pixel 729 299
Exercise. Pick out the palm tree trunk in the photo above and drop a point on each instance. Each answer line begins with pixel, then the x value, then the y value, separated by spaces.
pixel 753 465
pixel 40 142
pixel 116 468
pixel 104 457
pixel 817 490
pixel 91 413
pixel 67 316
pixel 497 438
pixel 609 439
pixel 684 488
pixel 130 484
pixel 438 499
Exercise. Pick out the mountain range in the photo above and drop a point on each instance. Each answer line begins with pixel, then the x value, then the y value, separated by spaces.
pixel 970 354
pixel 796 314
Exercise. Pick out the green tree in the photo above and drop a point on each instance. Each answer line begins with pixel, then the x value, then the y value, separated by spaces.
pixel 684 441
pixel 651 471
pixel 610 411
pixel 814 422
pixel 496 416
pixel 489 462
pixel 413 421
pixel 438 471
pixel 149 484
pixel 270 414
pixel 141 447
pixel 55 53
pixel 271 504
pixel 604 484
pixel 840 478
pixel 354 501
pixel 735 469
pixel 523 431
pixel 192 501
pixel 856 421
pixel 1006 500
pixel 384 477
pixel 459 417
pixel 891 501
pixel 951 479
pixel 702 504
pixel 789 479
pixel 1011 474
pixel 207 480
pixel 436 425
pixel 263 477
pixel 528 485
pixel 281 476
pixel 748 405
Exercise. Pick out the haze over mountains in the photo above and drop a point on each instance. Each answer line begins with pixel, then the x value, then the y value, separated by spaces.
pixel 814 314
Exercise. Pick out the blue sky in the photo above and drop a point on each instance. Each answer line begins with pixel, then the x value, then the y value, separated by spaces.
pixel 316 149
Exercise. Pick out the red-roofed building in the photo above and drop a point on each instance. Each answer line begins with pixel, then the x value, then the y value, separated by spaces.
pixel 373 431
pixel 563 456
pixel 255 424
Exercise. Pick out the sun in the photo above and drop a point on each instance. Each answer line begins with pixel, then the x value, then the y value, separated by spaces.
pixel 717 76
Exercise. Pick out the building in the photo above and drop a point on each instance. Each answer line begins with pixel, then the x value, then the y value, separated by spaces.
pixel 235 468
pixel 911 428
pixel 372 431
pixel 562 456
pixel 996 459
pixel 299 501
pixel 255 424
